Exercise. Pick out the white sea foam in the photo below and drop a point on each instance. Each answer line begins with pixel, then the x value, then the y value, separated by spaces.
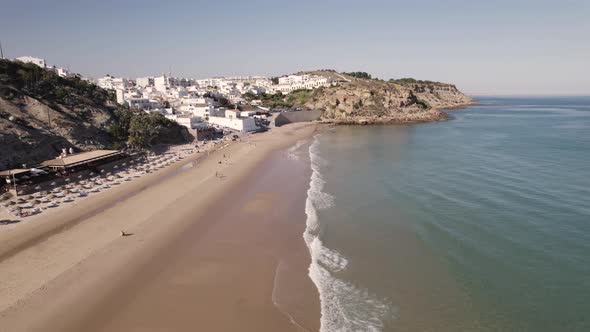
pixel 294 151
pixel 344 307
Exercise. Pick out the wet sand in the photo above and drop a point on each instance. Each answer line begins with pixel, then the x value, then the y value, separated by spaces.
pixel 211 253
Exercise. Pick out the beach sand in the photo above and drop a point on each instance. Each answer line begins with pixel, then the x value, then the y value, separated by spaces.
pixel 207 252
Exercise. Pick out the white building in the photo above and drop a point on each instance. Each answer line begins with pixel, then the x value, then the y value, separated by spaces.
pixel 29 59
pixel 120 96
pixel 142 103
pixel 112 83
pixel 144 81
pixel 176 93
pixel 161 83
pixel 197 106
pixel 239 124
pixel 189 121
pixel 295 82
pixel 63 72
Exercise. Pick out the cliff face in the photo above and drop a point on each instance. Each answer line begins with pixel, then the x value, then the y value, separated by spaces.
pixel 41 113
pixel 31 131
pixel 376 101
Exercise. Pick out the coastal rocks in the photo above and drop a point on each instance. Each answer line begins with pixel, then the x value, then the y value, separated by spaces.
pixel 430 115
pixel 369 101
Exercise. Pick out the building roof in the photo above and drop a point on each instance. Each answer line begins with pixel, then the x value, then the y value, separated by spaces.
pixel 15 171
pixel 80 158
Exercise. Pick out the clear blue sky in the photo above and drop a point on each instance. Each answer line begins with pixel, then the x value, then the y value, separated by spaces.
pixel 485 47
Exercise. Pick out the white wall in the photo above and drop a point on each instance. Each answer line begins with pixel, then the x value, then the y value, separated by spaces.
pixel 240 124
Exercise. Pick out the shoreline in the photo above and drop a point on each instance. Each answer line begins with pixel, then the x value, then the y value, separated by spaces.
pixel 72 278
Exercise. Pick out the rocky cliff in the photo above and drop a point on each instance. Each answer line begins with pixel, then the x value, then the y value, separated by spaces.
pixel 360 100
pixel 41 113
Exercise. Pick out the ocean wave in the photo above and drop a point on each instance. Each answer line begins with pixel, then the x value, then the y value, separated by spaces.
pixel 344 307
pixel 293 152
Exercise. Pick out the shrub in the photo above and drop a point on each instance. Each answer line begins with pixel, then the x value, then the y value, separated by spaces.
pixel 359 74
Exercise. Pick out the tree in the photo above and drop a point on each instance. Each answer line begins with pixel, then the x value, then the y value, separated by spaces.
pixel 249 96
pixel 359 74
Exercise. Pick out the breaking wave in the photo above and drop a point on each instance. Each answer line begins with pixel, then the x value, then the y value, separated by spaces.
pixel 344 307
pixel 293 152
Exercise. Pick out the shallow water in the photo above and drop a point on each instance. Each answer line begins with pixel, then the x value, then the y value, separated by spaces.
pixel 478 223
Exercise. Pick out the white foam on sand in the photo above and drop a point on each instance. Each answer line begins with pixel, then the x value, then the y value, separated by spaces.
pixel 344 307
pixel 293 152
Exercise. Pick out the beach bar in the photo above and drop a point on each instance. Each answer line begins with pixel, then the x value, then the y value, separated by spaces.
pixel 13 179
pixel 83 160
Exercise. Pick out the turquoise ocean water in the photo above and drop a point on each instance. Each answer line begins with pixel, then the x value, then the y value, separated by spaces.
pixel 480 223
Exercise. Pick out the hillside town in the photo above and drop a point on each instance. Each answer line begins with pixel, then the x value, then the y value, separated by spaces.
pixel 210 108
pixel 201 105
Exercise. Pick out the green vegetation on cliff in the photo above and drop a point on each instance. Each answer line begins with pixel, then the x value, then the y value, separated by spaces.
pixel 141 130
pixel 18 79
pixel 368 99
pixel 359 74
pixel 41 113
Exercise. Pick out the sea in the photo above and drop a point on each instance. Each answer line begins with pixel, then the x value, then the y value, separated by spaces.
pixel 478 223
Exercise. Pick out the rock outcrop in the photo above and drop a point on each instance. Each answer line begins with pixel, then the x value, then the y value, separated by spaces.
pixel 376 101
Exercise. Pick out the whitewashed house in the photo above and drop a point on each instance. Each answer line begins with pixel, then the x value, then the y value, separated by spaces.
pixel 29 59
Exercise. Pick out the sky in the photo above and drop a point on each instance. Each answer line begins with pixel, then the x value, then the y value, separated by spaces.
pixel 518 47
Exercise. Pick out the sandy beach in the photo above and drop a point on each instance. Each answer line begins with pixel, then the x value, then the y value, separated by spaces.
pixel 213 246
